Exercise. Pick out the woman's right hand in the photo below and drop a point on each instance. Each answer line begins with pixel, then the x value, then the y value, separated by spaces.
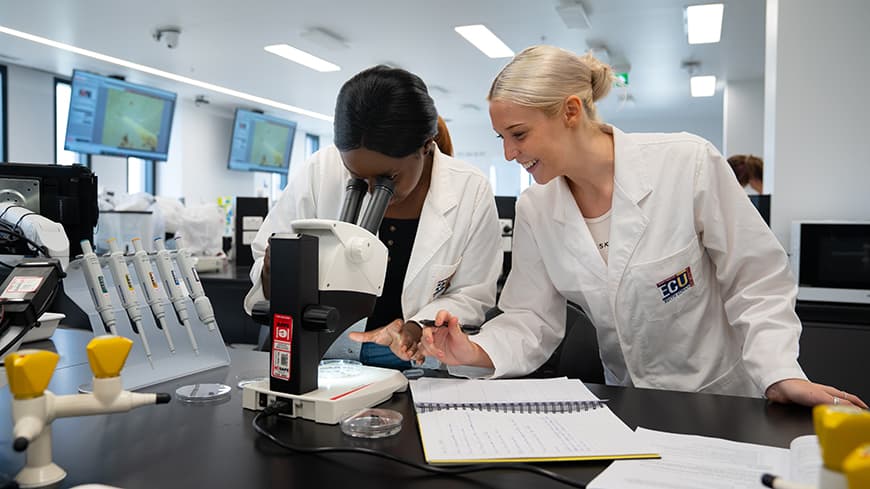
pixel 446 342
pixel 266 273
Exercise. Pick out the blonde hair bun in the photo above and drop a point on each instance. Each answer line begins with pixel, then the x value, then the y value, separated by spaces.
pixel 542 77
pixel 601 76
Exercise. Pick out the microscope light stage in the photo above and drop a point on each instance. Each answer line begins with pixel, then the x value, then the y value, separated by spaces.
pixel 334 396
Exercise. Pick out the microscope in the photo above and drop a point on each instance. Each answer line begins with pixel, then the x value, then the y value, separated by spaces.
pixel 326 275
pixel 34 408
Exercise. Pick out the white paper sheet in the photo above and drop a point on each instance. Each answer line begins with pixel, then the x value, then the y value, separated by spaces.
pixel 694 462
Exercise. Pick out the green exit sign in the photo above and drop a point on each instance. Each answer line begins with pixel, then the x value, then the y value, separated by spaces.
pixel 622 78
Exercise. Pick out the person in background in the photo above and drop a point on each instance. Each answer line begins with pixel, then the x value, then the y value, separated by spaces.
pixel 749 171
pixel 646 233
pixel 440 227
pixel 442 139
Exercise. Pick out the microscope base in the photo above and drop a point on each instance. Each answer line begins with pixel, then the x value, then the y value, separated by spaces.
pixel 40 476
pixel 334 398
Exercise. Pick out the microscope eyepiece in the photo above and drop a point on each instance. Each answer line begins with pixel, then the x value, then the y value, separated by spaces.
pixel 374 214
pixel 354 191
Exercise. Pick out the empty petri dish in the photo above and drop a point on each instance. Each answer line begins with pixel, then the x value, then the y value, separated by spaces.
pixel 202 393
pixel 331 369
pixel 372 423
pixel 248 377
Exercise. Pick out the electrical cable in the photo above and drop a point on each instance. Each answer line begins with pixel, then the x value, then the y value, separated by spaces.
pixel 6 228
pixel 276 407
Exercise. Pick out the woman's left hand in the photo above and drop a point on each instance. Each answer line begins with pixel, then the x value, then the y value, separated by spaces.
pixel 402 337
pixel 807 393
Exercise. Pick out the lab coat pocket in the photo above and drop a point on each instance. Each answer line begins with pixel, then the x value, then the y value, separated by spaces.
pixel 440 277
pixel 664 288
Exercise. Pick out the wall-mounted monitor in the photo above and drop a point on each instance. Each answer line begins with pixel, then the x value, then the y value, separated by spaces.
pixel 113 117
pixel 261 142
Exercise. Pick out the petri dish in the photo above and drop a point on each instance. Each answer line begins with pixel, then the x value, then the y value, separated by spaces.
pixel 338 368
pixel 248 377
pixel 372 423
pixel 203 393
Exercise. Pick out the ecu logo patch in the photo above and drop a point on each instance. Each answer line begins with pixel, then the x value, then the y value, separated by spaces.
pixel 675 285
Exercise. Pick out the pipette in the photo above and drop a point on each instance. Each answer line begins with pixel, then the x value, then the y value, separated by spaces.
pixel 151 289
pixel 124 283
pixel 173 288
pixel 97 284
pixel 194 286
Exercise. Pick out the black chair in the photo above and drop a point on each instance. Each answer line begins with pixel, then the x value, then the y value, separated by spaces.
pixel 577 356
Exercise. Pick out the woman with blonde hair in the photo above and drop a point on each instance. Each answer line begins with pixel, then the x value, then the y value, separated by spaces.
pixel 646 233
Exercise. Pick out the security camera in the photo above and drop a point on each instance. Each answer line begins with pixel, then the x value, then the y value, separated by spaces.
pixel 168 36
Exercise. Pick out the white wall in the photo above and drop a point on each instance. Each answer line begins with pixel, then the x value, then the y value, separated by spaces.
pixel 477 144
pixel 196 168
pixel 30 111
pixel 743 118
pixel 709 128
pixel 111 172
pixel 815 69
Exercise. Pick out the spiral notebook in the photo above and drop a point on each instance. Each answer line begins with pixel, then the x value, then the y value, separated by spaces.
pixel 525 420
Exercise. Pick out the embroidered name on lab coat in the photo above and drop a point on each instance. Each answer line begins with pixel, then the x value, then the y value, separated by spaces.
pixel 675 285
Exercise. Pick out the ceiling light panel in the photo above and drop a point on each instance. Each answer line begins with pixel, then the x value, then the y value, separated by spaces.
pixel 308 60
pixel 484 40
pixel 702 86
pixel 704 23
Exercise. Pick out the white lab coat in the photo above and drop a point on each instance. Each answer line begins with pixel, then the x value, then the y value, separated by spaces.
pixel 676 206
pixel 457 243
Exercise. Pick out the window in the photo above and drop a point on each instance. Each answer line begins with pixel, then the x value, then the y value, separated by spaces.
pixel 279 181
pixel 62 92
pixel 140 176
pixel 3 155
pixel 312 144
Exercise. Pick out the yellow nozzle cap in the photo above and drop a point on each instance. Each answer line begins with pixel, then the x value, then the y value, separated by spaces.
pixel 29 372
pixel 107 355
pixel 840 429
pixel 857 467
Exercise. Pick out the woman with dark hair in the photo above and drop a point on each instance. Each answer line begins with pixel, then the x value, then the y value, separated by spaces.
pixel 442 139
pixel 440 228
pixel 749 171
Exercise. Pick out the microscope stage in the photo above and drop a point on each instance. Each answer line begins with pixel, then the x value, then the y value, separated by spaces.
pixel 334 398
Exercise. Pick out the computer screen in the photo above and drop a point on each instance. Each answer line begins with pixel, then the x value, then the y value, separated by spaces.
pixel 762 203
pixel 261 142
pixel 114 117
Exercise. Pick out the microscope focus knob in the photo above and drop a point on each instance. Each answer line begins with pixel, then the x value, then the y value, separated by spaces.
pixel 29 372
pixel 321 318
pixel 841 429
pixel 107 355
